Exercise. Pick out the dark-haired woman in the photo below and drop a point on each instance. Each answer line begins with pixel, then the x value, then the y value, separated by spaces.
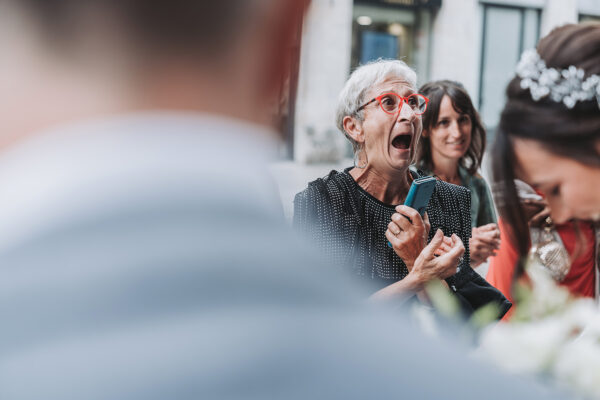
pixel 549 133
pixel 451 148
pixel 570 256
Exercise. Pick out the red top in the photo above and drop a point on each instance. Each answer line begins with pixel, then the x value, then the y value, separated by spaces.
pixel 580 280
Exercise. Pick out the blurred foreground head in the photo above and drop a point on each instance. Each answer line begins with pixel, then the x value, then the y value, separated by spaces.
pixel 70 59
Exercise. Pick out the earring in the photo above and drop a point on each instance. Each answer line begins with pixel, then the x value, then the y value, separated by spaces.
pixel 357 158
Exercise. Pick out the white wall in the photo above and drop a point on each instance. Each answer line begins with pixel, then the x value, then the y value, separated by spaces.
pixel 456 37
pixel 557 13
pixel 324 67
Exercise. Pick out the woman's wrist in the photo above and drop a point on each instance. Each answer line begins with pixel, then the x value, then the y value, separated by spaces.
pixel 404 288
pixel 414 282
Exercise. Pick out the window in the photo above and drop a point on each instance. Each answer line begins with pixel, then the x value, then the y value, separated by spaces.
pixel 391 32
pixel 507 32
pixel 587 18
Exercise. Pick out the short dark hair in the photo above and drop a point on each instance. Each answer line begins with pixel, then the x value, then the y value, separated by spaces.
pixel 571 133
pixel 461 102
pixel 202 27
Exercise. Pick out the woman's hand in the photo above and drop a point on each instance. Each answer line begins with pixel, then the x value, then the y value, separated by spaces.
pixel 428 266
pixel 425 268
pixel 407 233
pixel 485 240
pixel 536 211
pixel 445 247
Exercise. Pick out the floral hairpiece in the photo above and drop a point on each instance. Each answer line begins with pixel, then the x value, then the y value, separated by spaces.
pixel 566 86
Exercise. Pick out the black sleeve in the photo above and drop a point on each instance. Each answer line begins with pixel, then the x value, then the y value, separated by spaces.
pixel 302 210
pixel 315 217
pixel 324 214
pixel 312 209
pixel 470 288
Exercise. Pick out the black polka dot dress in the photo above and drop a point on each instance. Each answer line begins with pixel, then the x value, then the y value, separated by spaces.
pixel 348 225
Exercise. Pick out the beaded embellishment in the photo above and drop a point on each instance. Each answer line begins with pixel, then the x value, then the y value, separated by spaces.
pixel 566 86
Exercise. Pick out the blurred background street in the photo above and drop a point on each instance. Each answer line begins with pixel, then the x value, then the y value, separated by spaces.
pixel 475 42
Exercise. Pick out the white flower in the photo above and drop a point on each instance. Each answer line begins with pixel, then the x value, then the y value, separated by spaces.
pixel 526 83
pixel 425 318
pixel 524 347
pixel 583 313
pixel 578 365
pixel 569 102
pixel 556 336
pixel 546 296
pixel 553 74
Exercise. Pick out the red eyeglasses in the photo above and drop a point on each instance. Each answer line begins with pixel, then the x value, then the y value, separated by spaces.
pixel 391 103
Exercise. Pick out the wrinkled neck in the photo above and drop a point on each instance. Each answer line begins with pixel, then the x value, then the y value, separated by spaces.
pixel 387 188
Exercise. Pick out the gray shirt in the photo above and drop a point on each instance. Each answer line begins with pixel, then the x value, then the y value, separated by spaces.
pixel 146 258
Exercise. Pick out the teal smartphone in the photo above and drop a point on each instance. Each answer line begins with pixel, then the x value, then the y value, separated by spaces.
pixel 419 194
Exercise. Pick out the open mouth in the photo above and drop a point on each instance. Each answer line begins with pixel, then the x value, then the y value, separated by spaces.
pixel 402 142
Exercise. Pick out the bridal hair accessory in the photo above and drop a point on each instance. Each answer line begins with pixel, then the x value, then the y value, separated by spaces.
pixel 566 86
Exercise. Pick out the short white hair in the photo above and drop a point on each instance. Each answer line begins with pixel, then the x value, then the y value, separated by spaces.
pixel 361 80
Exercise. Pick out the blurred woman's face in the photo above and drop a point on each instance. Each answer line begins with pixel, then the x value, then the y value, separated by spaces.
pixel 571 188
pixel 389 139
pixel 450 136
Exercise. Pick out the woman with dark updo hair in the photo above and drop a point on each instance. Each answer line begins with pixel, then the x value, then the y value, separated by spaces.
pixel 451 148
pixel 549 133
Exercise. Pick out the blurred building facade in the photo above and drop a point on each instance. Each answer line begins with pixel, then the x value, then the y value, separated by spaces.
pixel 476 42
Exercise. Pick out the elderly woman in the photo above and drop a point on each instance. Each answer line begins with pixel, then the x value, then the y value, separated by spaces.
pixel 354 213
pixel 451 149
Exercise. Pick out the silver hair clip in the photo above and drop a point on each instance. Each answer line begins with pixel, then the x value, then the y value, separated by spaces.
pixel 566 86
